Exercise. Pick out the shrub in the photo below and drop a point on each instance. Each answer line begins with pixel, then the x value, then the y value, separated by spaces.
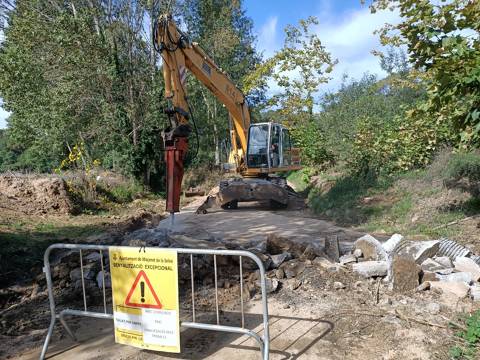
pixel 463 171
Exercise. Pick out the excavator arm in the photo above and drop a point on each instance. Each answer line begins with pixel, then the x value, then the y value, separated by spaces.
pixel 179 55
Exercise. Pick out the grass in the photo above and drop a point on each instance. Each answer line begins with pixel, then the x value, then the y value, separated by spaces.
pixel 21 250
pixel 414 203
pixel 471 337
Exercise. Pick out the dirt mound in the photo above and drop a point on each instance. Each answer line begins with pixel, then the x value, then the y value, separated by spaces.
pixel 35 194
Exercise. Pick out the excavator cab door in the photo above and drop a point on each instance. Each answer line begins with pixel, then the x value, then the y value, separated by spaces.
pixel 269 146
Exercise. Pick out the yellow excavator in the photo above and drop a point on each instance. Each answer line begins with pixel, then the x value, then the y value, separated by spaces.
pixel 258 150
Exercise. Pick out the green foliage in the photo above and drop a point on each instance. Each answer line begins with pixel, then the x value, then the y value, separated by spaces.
pixel 122 193
pixel 463 171
pixel 402 144
pixel 464 165
pixel 358 105
pixel 471 336
pixel 444 47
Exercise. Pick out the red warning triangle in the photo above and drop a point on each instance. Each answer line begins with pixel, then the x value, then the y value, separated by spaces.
pixel 128 302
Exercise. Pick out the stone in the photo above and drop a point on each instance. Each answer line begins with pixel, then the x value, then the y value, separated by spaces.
pixel 371 268
pixel 445 271
pixel 444 260
pixel 89 272
pixel 309 254
pixel 371 248
pixel 92 257
pixel 391 243
pixel 419 250
pixel 279 273
pixel 431 265
pixel 451 290
pixel 108 280
pixel 423 286
pixel 332 247
pixel 293 284
pixel 279 259
pixel 468 265
pixel 433 308
pixel 271 285
pixel 347 259
pixel 278 244
pixel 429 276
pixel 293 268
pixel 456 277
pixel 357 253
pixel 325 263
pixel 337 285
pixel 475 292
pixel 405 273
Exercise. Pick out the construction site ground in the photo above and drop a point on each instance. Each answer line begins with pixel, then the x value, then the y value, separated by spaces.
pixel 315 319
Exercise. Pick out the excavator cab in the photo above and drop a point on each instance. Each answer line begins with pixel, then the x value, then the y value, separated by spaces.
pixel 270 148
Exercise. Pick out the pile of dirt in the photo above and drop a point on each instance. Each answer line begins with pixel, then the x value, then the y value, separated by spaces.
pixel 34 195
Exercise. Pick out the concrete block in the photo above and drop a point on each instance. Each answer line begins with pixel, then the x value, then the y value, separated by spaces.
pixel 371 248
pixel 466 264
pixel 371 268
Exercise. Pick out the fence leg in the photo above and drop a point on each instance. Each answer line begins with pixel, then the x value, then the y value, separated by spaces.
pixel 67 328
pixel 47 339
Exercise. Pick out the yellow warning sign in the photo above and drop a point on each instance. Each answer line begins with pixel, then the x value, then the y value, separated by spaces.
pixel 145 298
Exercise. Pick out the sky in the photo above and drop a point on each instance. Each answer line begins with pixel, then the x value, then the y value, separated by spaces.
pixel 345 28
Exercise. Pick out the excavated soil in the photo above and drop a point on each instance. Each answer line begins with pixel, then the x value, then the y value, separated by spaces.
pixel 32 195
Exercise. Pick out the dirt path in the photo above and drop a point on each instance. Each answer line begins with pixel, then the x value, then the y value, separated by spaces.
pixel 315 320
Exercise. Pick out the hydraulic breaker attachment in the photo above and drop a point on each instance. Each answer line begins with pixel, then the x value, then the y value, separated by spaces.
pixel 175 151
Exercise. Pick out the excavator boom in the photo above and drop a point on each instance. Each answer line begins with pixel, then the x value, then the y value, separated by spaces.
pixel 263 157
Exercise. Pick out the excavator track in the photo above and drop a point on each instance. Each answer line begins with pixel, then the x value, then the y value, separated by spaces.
pixel 232 191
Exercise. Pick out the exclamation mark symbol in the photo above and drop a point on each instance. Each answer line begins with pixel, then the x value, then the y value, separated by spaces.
pixel 142 291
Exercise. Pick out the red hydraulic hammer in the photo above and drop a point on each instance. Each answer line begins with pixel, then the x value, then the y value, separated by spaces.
pixel 175 152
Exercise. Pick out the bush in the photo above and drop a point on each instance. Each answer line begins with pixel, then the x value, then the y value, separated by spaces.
pixel 121 193
pixel 463 171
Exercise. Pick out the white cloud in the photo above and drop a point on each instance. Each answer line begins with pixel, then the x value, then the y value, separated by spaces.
pixel 267 37
pixel 350 39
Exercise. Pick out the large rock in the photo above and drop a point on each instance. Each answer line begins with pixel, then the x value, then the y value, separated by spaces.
pixel 419 250
pixel 405 273
pixel 467 265
pixel 332 247
pixel 391 243
pixel 371 268
pixel 371 248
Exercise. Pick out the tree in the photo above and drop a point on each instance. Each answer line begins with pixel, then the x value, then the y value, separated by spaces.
pixel 443 45
pixel 298 69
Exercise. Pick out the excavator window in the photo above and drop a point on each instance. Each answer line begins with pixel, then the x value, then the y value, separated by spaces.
pixel 269 146
pixel 257 151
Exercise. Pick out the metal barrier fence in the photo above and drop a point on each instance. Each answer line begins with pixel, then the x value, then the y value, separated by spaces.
pixel 263 341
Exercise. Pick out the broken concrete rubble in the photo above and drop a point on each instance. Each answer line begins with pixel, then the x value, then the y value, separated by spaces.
pixel 456 277
pixel 391 243
pixel 431 265
pixel 451 290
pixel 279 259
pixel 419 250
pixel 371 248
pixel 405 273
pixel 443 260
pixel 347 259
pixel 371 268
pixel 468 265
